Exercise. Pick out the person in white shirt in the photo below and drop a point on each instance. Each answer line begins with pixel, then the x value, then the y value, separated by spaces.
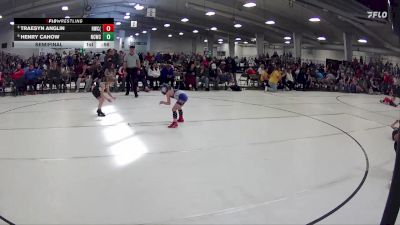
pixel 153 75
pixel 289 79
pixel 260 69
pixel 102 57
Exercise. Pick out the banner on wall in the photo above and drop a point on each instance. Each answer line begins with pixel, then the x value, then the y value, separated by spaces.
pixel 151 12
pixel 221 53
pixel 140 43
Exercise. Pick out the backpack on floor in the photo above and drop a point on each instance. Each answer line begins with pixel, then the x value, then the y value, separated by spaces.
pixel 180 85
pixel 235 88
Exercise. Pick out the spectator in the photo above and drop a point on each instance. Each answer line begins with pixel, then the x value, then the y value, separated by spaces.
pixel 97 71
pixel 274 79
pixel 110 73
pixel 31 77
pixel 289 80
pixel 264 77
pixel 389 101
pixel 121 78
pixel 2 81
pixel 167 75
pixel 261 69
pixel 142 77
pixel 102 58
pixel 203 77
pixel 18 79
pixel 54 76
pixel 153 76
pixel 302 79
pixel 84 76
pixel 190 76
pixel 223 77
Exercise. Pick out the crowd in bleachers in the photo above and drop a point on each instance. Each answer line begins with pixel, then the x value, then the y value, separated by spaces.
pixel 76 71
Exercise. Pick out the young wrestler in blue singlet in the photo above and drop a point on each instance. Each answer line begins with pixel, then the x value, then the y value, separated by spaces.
pixel 180 97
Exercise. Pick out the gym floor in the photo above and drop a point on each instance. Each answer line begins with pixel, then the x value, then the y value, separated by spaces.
pixel 240 158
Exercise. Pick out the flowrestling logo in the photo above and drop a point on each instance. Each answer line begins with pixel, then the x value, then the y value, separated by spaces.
pixel 377 14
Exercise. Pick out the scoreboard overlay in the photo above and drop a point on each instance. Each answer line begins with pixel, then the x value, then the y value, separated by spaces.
pixel 64 33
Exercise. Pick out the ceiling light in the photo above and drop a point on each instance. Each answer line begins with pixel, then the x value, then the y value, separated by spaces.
pixel 154 28
pixel 169 35
pixel 127 14
pixel 127 17
pixel 139 7
pixel 1 17
pixel 67 17
pixel 64 8
pixel 238 39
pixel 205 40
pixel 362 40
pixel 220 40
pixel 238 25
pixel 236 42
pixel 12 23
pixel 195 31
pixel 270 22
pixel 287 42
pixel 314 19
pixel 321 38
pixel 167 25
pixel 245 42
pixel 118 23
pixel 132 3
pixel 287 38
pixel 131 36
pixel 144 32
pixel 254 39
pixel 249 4
pixel 118 37
pixel 210 13
pixel 137 34
pixel 185 20
pixel 180 33
pixel 213 28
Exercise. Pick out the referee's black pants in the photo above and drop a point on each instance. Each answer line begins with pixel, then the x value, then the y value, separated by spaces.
pixel 131 80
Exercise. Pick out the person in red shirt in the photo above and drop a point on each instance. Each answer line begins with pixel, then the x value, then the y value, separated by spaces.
pixel 387 82
pixel 205 62
pixel 251 71
pixel 389 101
pixel 358 72
pixel 18 79
pixel 149 58
pixel 387 78
pixel 18 73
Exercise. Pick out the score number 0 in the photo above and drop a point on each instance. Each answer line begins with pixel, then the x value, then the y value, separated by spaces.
pixel 108 32
pixel 108 27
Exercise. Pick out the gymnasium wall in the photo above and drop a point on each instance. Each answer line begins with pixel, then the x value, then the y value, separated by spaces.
pixel 6 36
pixel 159 42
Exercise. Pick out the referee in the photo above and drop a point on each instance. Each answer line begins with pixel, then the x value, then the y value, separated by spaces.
pixel 132 70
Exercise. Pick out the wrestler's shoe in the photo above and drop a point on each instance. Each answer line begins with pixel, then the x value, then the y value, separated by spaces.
pixel 181 120
pixel 173 125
